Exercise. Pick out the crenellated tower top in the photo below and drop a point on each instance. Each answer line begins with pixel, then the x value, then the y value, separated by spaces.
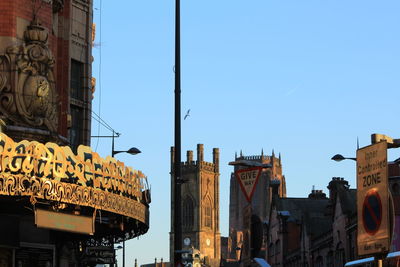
pixel 191 164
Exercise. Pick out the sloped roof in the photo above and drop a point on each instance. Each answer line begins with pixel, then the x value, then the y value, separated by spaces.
pixel 309 211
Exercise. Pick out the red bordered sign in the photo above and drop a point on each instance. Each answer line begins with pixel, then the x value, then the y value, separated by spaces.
pixel 374 227
pixel 372 212
pixel 248 179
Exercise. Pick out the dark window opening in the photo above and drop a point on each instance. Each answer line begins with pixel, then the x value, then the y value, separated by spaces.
pixel 208 215
pixel 76 83
pixel 188 213
pixel 76 131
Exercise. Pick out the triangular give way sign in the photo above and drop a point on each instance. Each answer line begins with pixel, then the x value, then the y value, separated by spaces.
pixel 248 179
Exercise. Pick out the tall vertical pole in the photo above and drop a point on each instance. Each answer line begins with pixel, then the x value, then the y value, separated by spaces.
pixel 112 144
pixel 177 163
pixel 123 253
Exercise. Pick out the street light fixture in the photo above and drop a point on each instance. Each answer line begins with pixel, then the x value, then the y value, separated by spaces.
pixel 132 151
pixel 339 157
pixel 375 138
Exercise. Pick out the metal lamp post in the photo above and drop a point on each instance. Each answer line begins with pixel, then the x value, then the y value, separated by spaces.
pixel 177 164
pixel 132 151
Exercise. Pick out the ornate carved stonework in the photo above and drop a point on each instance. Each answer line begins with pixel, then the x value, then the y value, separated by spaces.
pixel 41 188
pixel 60 179
pixel 27 87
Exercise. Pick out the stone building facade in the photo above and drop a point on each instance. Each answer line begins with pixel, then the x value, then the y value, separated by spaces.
pixel 55 201
pixel 259 206
pixel 200 206
pixel 45 96
pixel 314 231
pixel 321 231
pixel 45 70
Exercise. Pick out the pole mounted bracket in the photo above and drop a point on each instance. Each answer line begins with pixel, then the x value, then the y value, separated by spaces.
pixel 392 143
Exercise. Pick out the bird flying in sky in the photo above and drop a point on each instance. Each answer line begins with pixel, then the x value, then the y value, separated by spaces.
pixel 187 114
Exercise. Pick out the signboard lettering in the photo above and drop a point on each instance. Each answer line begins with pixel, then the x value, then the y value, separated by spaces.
pixel 102 254
pixel 64 222
pixel 248 179
pixel 372 200
pixel 86 168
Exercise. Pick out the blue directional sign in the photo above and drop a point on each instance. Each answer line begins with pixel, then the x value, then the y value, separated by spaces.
pixel 372 212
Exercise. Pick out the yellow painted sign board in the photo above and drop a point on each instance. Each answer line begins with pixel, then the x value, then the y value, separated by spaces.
pixel 373 200
pixel 64 222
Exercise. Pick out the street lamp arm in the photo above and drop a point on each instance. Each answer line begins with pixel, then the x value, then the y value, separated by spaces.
pixel 105 136
pixel 339 157
pixel 116 152
pixel 132 151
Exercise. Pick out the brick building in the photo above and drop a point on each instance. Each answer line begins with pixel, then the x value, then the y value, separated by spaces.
pixel 292 223
pixel 322 231
pixel 45 70
pixel 61 204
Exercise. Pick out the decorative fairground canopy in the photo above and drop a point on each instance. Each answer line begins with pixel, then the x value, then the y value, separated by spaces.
pixel 66 189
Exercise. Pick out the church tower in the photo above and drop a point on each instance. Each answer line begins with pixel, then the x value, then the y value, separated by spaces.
pixel 200 206
pixel 260 203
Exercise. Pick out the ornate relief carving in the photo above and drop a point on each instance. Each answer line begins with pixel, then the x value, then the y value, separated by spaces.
pixel 3 77
pixel 86 168
pixel 41 188
pixel 57 5
pixel 29 97
pixel 54 173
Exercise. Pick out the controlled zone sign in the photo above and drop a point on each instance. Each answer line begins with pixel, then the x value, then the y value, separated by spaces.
pixel 374 233
pixel 248 179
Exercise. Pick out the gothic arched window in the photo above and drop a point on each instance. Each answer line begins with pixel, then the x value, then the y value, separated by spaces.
pixel 188 213
pixel 207 213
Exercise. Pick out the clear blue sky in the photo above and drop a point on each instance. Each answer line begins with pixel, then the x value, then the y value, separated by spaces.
pixel 305 78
